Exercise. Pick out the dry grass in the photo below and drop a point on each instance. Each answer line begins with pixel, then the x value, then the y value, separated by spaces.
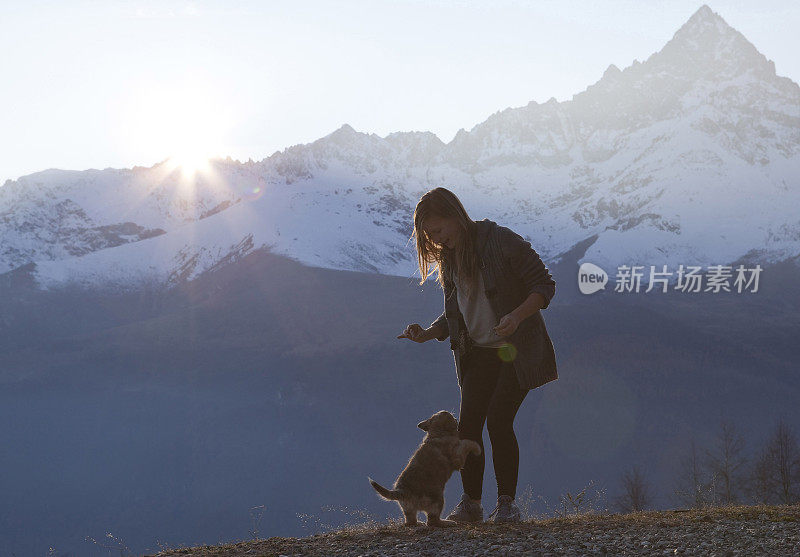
pixel 371 537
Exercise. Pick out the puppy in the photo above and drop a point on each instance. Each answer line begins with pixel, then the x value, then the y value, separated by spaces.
pixel 420 486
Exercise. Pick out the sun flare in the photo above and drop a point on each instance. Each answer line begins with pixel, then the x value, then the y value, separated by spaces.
pixel 186 120
pixel 189 163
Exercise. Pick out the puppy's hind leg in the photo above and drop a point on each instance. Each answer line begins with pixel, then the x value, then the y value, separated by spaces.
pixel 434 513
pixel 410 515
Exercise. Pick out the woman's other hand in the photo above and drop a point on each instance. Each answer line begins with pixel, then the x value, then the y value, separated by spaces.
pixel 416 333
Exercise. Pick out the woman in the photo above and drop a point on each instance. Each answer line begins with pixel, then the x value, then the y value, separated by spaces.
pixel 494 285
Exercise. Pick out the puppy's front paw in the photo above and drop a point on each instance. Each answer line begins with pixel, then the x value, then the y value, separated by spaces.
pixel 474 448
pixel 464 449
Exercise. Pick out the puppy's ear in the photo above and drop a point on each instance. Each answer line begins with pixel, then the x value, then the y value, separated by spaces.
pixel 424 425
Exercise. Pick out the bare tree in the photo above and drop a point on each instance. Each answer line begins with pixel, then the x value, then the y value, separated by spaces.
pixel 726 463
pixel 761 485
pixel 635 491
pixel 692 488
pixel 784 458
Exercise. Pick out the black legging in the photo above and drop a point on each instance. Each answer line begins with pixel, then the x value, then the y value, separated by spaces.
pixel 490 393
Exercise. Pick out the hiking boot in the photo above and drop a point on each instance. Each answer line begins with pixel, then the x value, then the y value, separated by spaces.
pixel 505 511
pixel 466 511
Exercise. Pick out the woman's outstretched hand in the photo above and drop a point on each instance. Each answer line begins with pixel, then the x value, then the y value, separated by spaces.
pixel 416 333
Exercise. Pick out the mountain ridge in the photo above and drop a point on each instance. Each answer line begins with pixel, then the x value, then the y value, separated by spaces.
pixel 690 157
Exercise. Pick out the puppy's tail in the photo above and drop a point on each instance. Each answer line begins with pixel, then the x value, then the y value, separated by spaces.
pixel 388 494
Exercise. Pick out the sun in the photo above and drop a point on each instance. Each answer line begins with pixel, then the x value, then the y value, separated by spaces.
pixel 185 121
pixel 189 163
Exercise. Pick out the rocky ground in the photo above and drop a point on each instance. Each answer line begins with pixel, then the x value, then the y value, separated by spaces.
pixel 722 531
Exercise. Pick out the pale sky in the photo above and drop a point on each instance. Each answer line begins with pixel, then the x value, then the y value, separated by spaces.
pixel 96 84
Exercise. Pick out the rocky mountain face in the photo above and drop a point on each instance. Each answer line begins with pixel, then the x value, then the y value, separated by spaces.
pixel 690 157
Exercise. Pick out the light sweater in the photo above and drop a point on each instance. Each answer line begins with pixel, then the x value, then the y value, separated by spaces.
pixel 478 313
pixel 502 250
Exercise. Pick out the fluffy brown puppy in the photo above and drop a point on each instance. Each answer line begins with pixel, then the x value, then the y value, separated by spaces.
pixel 420 486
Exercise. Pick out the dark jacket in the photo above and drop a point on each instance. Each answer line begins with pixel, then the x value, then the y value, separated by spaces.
pixel 511 271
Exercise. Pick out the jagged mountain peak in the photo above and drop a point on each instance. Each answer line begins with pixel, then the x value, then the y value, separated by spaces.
pixel 343 140
pixel 612 70
pixel 345 132
pixel 706 30
pixel 705 16
pixel 345 129
pixel 706 47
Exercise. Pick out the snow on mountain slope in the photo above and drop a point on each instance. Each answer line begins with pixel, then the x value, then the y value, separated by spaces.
pixel 691 157
pixel 59 213
pixel 313 226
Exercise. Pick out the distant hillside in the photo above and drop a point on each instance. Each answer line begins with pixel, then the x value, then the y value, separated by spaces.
pixel 165 416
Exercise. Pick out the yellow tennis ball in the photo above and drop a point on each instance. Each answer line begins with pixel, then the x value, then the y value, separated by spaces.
pixel 507 352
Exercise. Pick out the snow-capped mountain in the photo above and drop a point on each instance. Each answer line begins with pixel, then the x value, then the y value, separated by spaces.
pixel 690 157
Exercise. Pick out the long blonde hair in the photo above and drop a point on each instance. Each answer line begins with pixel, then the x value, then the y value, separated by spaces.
pixel 462 259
